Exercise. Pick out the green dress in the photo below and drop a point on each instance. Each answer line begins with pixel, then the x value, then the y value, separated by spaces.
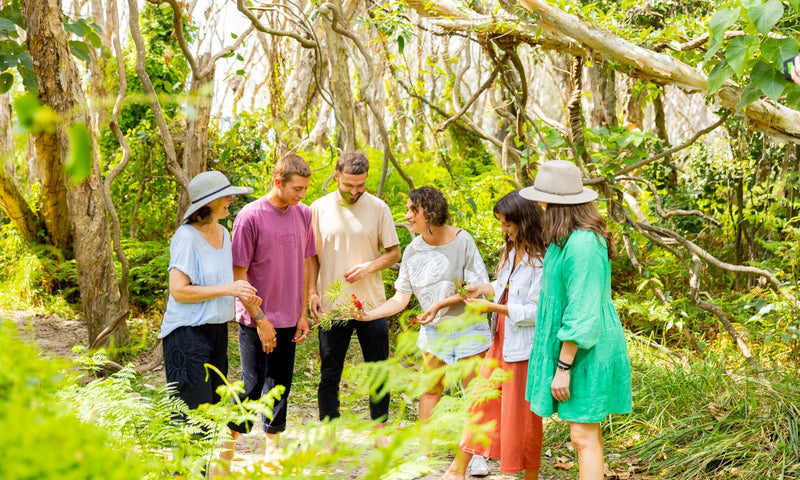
pixel 575 304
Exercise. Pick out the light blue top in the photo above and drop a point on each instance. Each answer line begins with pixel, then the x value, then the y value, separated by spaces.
pixel 205 265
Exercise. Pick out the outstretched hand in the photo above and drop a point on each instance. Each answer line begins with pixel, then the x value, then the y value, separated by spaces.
pixel 479 304
pixel 245 292
pixel 475 290
pixel 356 273
pixel 796 70
pixel 428 315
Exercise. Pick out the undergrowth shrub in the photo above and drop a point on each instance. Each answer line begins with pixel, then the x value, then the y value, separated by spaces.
pixel 41 439
pixel 35 277
pixel 701 419
pixel 148 281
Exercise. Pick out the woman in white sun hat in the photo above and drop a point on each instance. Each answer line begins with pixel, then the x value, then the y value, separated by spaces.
pixel 201 291
pixel 579 365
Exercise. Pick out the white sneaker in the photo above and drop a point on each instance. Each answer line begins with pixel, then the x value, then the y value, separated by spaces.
pixel 477 466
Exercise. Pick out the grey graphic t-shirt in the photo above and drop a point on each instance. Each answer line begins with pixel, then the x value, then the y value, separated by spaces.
pixel 430 272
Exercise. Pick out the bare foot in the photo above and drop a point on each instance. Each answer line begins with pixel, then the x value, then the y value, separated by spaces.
pixel 452 474
pixel 222 467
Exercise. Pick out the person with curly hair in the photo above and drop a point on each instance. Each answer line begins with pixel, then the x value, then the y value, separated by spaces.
pixel 500 423
pixel 439 256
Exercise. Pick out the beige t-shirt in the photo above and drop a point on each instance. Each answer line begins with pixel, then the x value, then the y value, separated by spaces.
pixel 347 235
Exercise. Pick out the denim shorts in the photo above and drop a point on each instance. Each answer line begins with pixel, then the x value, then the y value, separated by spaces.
pixel 453 339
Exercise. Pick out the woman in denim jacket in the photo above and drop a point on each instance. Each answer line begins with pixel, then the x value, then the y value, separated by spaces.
pixel 500 424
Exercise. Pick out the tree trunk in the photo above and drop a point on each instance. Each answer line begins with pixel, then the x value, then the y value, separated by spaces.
pixel 339 72
pixel 299 88
pixel 604 98
pixel 633 113
pixel 12 201
pixel 60 89
pixel 195 146
pixel 97 69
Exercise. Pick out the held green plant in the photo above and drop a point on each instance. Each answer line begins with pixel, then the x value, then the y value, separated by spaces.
pixel 342 306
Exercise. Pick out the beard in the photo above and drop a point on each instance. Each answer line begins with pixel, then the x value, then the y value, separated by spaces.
pixel 350 198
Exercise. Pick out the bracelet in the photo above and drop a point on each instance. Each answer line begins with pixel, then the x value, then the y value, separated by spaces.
pixel 562 365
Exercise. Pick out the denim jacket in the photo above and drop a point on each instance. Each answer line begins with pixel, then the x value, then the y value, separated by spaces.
pixel 523 299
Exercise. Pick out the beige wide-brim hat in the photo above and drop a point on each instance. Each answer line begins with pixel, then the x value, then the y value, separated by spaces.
pixel 558 181
pixel 208 186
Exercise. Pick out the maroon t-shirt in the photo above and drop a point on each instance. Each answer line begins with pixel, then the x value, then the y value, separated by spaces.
pixel 273 245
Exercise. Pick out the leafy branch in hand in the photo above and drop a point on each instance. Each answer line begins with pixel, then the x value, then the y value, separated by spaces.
pixel 342 306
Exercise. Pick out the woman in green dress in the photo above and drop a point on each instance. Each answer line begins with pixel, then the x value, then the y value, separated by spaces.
pixel 579 365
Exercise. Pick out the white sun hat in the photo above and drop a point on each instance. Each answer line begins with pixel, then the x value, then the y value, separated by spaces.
pixel 558 181
pixel 208 186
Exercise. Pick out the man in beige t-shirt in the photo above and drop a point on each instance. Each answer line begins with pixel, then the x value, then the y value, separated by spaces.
pixel 356 239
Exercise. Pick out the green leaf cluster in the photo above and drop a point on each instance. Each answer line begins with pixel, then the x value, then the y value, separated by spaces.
pixel 754 57
pixel 13 53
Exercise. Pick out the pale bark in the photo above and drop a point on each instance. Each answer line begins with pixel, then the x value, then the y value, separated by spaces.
pixel 339 79
pixel 368 76
pixel 649 65
pixel 47 169
pixel 632 111
pixel 97 90
pixel 124 302
pixel 604 95
pixel 300 87
pixel 60 89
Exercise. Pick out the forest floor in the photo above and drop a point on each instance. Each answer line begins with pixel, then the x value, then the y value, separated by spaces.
pixel 57 336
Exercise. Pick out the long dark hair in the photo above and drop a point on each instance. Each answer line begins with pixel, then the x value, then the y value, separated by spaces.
pixel 529 219
pixel 562 220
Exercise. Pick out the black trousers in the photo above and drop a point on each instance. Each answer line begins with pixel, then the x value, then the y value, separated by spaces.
pixel 373 337
pixel 186 351
pixel 261 372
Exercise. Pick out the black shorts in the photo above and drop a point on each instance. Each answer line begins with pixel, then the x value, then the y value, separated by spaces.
pixel 186 351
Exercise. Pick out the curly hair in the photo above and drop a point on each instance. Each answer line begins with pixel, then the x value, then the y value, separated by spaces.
pixel 528 216
pixel 433 204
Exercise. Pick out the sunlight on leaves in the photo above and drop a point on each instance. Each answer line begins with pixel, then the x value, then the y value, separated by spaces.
pixel 79 162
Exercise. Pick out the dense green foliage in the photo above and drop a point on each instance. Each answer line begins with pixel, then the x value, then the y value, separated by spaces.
pixel 42 439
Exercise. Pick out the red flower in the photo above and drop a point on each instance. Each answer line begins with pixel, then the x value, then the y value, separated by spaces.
pixel 356 302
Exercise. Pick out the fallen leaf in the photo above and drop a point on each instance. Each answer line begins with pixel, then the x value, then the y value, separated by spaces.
pixel 563 463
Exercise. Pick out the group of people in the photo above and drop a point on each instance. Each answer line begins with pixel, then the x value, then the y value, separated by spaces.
pixel 554 331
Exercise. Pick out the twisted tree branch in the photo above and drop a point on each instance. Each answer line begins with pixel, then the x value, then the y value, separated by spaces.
pixel 671 213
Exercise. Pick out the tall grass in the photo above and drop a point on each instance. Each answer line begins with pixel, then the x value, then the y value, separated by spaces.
pixel 709 419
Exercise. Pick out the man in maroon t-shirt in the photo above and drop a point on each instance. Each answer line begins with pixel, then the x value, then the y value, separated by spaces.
pixel 272 240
